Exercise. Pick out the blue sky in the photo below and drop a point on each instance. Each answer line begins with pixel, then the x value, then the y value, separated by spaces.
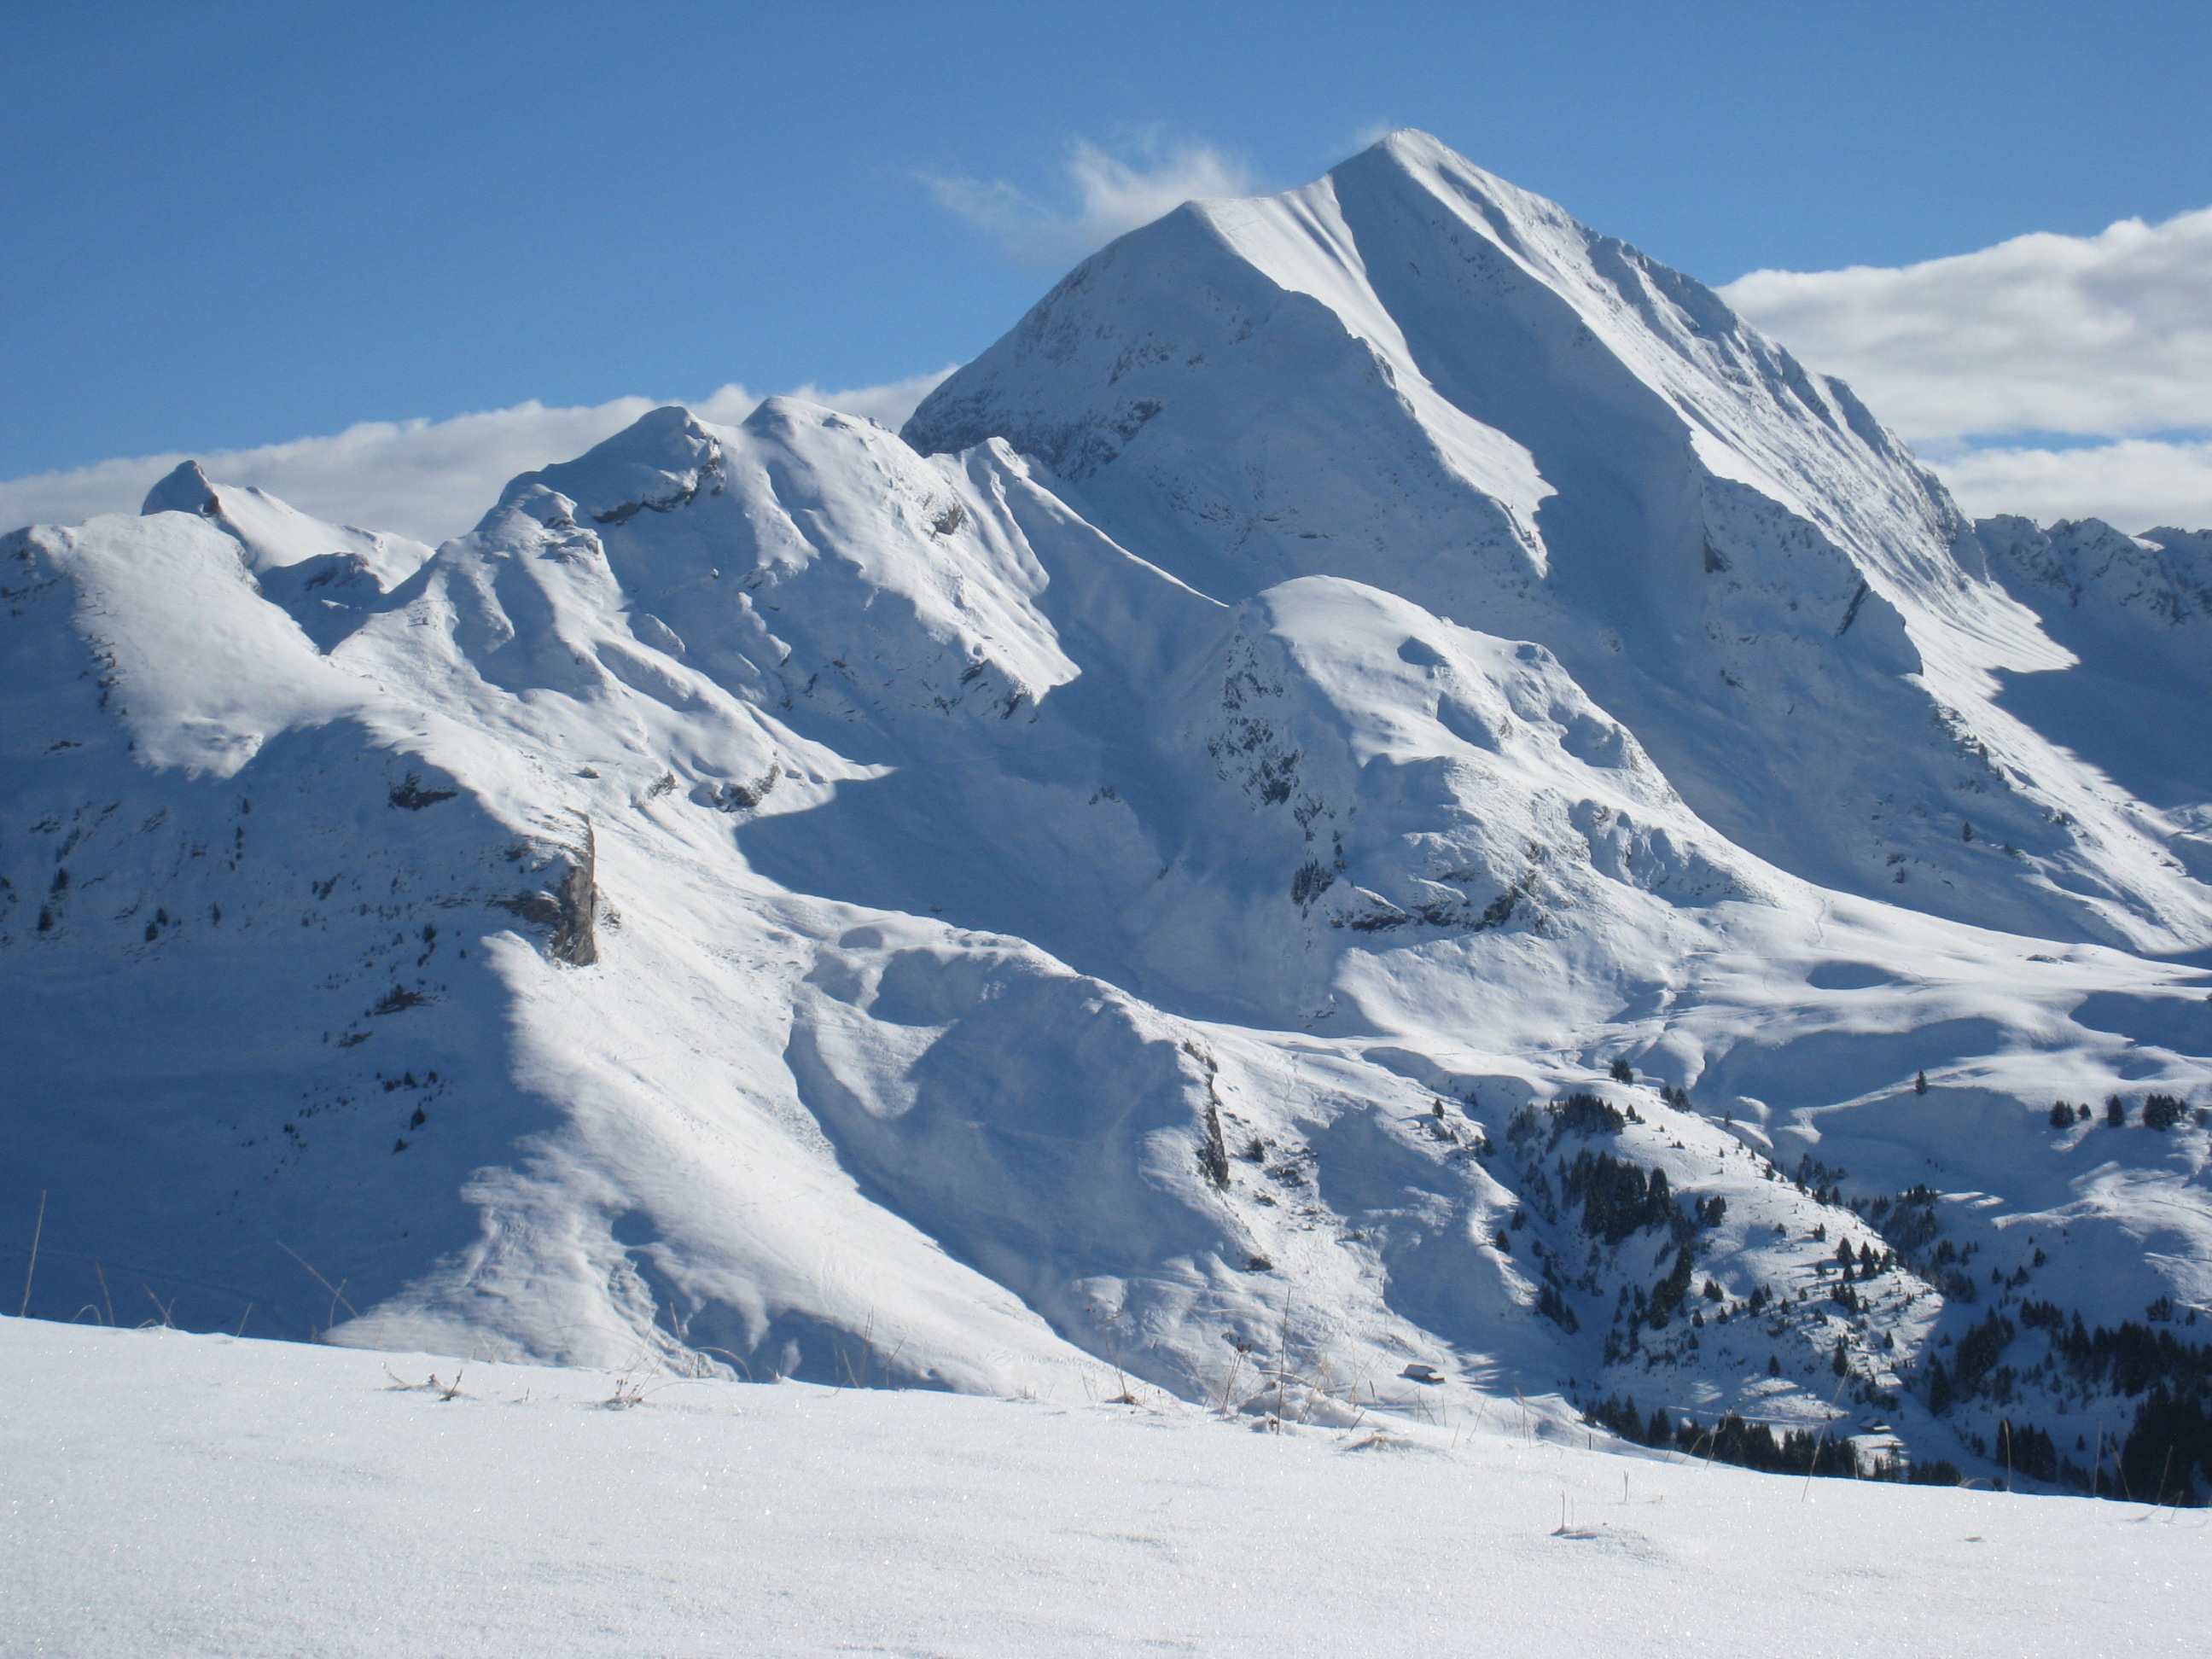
pixel 232 225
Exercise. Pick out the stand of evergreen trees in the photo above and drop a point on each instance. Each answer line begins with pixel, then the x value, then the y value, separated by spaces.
pixel 2167 1456
pixel 1735 1440
pixel 2169 1449
pixel 2128 1358
pixel 1619 1198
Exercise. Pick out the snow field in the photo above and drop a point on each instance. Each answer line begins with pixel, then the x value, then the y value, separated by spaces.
pixel 168 1494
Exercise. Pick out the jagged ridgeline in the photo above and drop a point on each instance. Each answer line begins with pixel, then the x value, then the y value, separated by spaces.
pixel 1381 806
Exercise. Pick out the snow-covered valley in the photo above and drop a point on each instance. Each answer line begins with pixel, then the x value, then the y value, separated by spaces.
pixel 1381 810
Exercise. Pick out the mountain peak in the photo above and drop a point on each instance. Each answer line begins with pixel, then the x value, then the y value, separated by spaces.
pixel 1417 376
pixel 187 489
pixel 274 537
pixel 658 461
pixel 1407 146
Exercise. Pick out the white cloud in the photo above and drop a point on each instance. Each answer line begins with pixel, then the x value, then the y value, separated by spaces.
pixel 2108 335
pixel 1111 194
pixel 2136 483
pixel 2054 376
pixel 889 403
pixel 429 479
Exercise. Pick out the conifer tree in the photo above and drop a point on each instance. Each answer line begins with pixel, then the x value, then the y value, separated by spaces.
pixel 1920 1082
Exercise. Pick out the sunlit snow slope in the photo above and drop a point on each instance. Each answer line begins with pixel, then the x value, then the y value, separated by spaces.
pixel 162 1493
pixel 1412 373
pixel 1381 784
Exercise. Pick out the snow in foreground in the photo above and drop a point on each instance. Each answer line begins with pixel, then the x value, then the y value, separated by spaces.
pixel 173 1493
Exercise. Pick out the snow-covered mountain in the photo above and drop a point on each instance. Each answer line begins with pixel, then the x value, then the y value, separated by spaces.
pixel 1382 791
pixel 1412 373
pixel 2136 613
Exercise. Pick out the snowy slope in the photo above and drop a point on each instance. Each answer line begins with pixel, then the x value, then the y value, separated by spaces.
pixel 1412 374
pixel 319 573
pixel 794 905
pixel 2136 613
pixel 168 1494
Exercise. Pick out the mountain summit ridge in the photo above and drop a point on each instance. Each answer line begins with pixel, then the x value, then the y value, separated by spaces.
pixel 1713 539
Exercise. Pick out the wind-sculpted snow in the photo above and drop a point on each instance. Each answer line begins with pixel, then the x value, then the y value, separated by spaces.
pixel 1290 855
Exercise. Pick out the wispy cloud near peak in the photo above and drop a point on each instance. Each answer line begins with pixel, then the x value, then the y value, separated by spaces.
pixel 1109 191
